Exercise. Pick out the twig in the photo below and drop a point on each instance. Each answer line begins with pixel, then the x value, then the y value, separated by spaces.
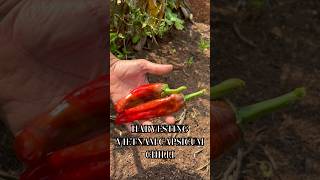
pixel 205 165
pixel 181 119
pixel 195 113
pixel 185 73
pixel 233 171
pixel 271 159
pixel 241 37
pixel 197 152
pixel 229 170
pixel 239 163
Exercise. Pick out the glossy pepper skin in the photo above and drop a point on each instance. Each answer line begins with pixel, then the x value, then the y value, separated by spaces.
pixel 80 112
pixel 151 109
pixel 145 93
pixel 156 108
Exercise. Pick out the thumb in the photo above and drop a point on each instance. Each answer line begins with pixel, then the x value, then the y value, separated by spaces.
pixel 157 69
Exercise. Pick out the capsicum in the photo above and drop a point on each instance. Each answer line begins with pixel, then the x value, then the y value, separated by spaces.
pixel 80 112
pixel 156 108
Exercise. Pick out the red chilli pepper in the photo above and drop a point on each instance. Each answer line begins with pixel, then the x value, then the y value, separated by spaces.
pixel 227 122
pixel 36 172
pixel 96 170
pixel 80 112
pixel 82 171
pixel 146 93
pixel 68 160
pixel 91 150
pixel 155 108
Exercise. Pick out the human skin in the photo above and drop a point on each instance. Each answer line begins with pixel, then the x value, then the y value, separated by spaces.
pixel 46 50
pixel 127 75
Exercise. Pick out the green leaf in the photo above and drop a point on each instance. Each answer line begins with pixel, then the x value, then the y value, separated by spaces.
pixel 179 24
pixel 135 39
pixel 172 4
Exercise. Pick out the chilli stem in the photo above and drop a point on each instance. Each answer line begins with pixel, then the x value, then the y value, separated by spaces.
pixel 249 113
pixel 168 91
pixel 225 87
pixel 194 95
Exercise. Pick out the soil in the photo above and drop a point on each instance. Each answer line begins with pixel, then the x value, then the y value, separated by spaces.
pixel 276 51
pixel 176 48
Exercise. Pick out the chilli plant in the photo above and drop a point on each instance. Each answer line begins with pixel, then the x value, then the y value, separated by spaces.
pixel 135 21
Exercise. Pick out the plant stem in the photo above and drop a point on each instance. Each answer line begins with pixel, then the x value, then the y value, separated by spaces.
pixel 225 87
pixel 249 113
pixel 168 91
pixel 193 95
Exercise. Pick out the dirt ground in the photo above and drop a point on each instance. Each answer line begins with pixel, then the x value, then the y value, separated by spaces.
pixel 191 162
pixel 274 49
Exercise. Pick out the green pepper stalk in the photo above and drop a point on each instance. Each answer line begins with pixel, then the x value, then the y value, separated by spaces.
pixel 249 113
pixel 227 122
pixel 226 87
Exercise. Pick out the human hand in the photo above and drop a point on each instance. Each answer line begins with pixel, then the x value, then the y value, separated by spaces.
pixel 47 48
pixel 126 75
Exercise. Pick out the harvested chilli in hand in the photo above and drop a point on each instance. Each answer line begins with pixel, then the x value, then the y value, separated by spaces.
pixel 156 108
pixel 81 112
pixel 228 122
pixel 146 93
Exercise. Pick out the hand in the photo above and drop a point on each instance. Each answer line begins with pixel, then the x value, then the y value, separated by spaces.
pixel 47 48
pixel 126 75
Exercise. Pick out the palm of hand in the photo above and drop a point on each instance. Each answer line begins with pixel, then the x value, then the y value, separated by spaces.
pixel 125 76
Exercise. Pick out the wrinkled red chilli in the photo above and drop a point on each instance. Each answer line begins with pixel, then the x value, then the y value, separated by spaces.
pixel 82 111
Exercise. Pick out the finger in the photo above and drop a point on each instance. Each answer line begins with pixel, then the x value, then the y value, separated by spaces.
pixel 130 128
pixel 157 69
pixel 147 123
pixel 170 120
